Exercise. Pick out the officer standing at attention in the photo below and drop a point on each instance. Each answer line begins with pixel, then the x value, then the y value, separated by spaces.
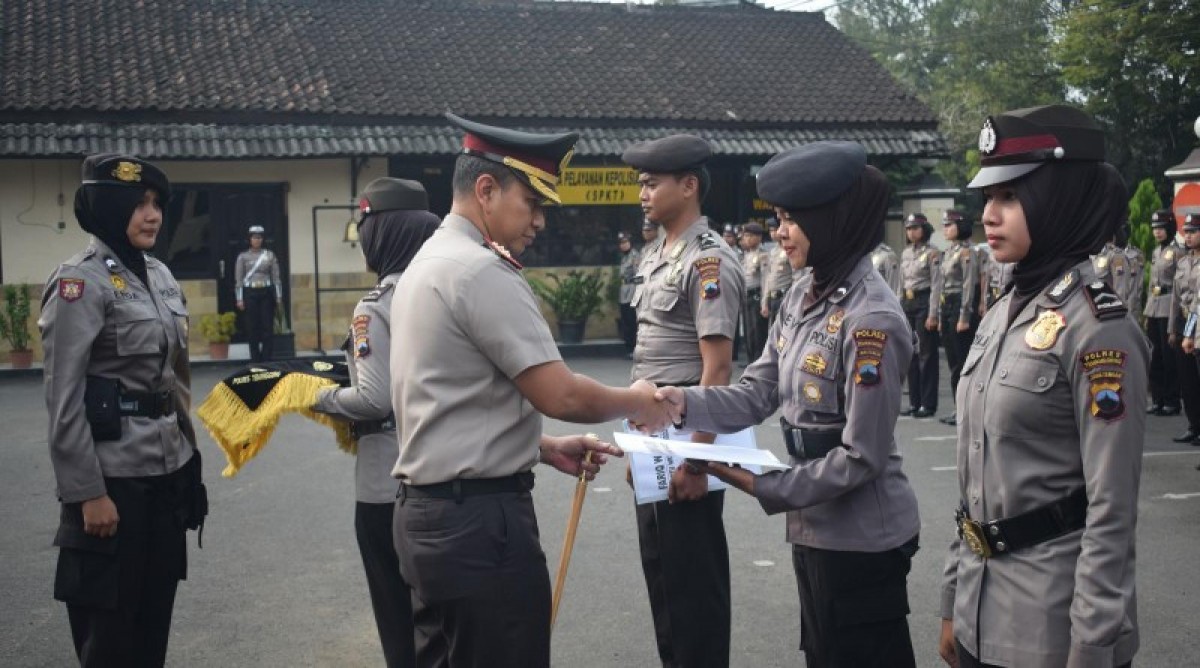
pixel 920 264
pixel 631 258
pixel 650 233
pixel 473 369
pixel 114 328
pixel 730 234
pixel 1183 299
pixel 1050 415
pixel 257 288
pixel 754 269
pixel 395 221
pixel 1135 260
pixel 884 259
pixel 954 294
pixel 1164 382
pixel 779 275
pixel 688 304
pixel 840 345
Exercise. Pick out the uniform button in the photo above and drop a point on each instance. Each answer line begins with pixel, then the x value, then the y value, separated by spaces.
pixel 976 445
pixel 1001 545
pixel 1004 373
pixel 978 387
pixel 1041 381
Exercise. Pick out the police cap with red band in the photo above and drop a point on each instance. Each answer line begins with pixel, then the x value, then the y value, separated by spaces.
pixel 537 159
pixel 1163 218
pixel 1017 142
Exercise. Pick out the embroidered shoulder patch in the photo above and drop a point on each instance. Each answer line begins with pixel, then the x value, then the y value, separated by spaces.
pixel 362 342
pixel 1105 371
pixel 70 289
pixel 869 345
pixel 710 276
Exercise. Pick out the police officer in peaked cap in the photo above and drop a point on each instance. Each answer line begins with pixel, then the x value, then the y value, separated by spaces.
pixel 920 267
pixel 1164 381
pixel 259 290
pixel 955 294
pixel 631 259
pixel 832 369
pixel 1051 415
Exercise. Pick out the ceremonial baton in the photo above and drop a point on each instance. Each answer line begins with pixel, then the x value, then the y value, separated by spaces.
pixel 564 560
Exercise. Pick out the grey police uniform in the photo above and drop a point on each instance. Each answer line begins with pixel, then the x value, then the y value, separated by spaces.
pixel 954 292
pixel 1000 276
pixel 1162 279
pixel 257 284
pixel 883 258
pixel 1164 377
pixel 629 267
pixel 1114 266
pixel 920 264
pixel 1183 298
pixel 778 280
pixel 754 269
pixel 1135 280
pixel 1050 412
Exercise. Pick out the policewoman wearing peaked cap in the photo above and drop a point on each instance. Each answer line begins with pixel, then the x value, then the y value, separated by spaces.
pixel 114 328
pixel 395 224
pixel 832 366
pixel 1050 415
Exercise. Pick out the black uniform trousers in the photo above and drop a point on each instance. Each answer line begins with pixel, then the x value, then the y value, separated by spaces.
pixel 1164 381
pixel 854 607
pixel 260 322
pixel 956 343
pixel 628 326
pixel 481 589
pixel 391 599
pixel 968 660
pixel 685 559
pixel 923 369
pixel 120 591
pixel 756 325
pixel 1189 386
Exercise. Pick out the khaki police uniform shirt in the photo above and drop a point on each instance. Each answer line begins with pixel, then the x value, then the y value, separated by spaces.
pixel 266 274
pixel 919 266
pixel 779 274
pixel 1135 281
pixel 369 398
pixel 883 258
pixel 836 367
pixel 1122 271
pixel 467 325
pixel 629 268
pixel 99 319
pixel 1183 292
pixel 1000 276
pixel 1031 431
pixel 754 267
pixel 957 274
pixel 1162 279
pixel 686 292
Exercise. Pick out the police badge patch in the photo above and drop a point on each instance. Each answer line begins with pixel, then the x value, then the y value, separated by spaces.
pixel 1105 371
pixel 362 342
pixel 710 276
pixel 869 345
pixel 70 289
pixel 814 364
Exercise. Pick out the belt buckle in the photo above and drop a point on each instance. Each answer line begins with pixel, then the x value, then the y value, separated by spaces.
pixel 1157 290
pixel 908 294
pixel 972 533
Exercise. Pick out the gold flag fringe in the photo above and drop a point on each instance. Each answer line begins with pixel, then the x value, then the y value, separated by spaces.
pixel 242 433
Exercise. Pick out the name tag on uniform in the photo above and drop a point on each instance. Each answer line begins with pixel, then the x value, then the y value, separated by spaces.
pixel 637 280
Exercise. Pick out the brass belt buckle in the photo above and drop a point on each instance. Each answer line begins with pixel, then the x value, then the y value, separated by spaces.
pixel 908 294
pixel 972 532
pixel 1157 290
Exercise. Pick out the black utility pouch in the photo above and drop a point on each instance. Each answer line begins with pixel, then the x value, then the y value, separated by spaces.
pixel 102 406
pixel 89 569
pixel 198 494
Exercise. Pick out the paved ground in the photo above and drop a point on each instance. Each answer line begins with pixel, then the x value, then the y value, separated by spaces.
pixel 279 581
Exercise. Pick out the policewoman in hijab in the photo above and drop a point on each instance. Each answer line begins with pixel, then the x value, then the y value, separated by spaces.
pixel 833 367
pixel 1050 415
pixel 395 223
pixel 114 327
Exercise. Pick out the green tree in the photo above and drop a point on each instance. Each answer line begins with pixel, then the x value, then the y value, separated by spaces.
pixel 1144 203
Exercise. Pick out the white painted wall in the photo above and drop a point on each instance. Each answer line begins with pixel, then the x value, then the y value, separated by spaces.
pixel 32 244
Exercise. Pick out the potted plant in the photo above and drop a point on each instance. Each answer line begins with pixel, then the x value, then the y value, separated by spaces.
pixel 14 326
pixel 573 298
pixel 283 344
pixel 218 329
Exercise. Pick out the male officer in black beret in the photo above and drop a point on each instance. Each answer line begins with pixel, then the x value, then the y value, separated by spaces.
pixel 689 293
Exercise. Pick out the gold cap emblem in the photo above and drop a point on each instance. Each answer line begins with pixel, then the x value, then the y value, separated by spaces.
pixel 128 172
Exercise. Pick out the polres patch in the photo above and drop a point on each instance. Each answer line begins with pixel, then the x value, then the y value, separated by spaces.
pixel 1105 369
pixel 710 276
pixel 70 289
pixel 362 341
pixel 869 345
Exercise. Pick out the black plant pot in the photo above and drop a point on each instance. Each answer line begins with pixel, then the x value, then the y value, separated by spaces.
pixel 283 346
pixel 571 331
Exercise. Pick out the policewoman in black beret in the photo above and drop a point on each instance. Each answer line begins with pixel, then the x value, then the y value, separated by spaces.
pixel 114 327
pixel 1164 381
pixel 832 367
pixel 1050 415
pixel 394 225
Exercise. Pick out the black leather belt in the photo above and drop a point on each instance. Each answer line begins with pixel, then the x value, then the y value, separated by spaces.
pixel 368 427
pixel 462 487
pixel 809 443
pixel 999 537
pixel 146 404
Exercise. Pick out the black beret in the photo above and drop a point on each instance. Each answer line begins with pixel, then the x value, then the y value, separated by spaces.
pixel 1163 218
pixel 811 175
pixel 114 169
pixel 753 228
pixel 916 220
pixel 1017 142
pixel 536 158
pixel 669 155
pixel 1191 223
pixel 388 194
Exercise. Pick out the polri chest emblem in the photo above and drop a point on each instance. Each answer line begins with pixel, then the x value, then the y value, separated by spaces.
pixel 1043 333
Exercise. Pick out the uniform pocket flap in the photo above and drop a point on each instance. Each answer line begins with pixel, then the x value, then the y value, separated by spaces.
pixel 664 300
pixel 1028 374
pixel 133 312
pixel 74 537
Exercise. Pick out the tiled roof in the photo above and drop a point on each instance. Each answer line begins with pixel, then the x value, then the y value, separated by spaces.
pixel 350 62
pixel 159 141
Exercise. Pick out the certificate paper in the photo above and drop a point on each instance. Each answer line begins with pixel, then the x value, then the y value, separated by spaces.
pixel 655 457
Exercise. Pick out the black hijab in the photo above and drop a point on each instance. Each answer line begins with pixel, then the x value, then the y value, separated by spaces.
pixel 842 231
pixel 1071 209
pixel 391 238
pixel 104 210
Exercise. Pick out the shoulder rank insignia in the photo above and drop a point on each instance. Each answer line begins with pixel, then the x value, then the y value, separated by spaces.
pixel 503 254
pixel 111 264
pixel 377 292
pixel 70 289
pixel 1063 288
pixel 1168 255
pixel 1105 303
pixel 1043 333
pixel 362 342
pixel 709 241
pixel 869 345
pixel 710 276
pixel 1101 262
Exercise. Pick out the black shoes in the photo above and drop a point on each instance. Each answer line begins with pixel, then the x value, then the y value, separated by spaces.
pixel 1168 411
pixel 909 411
pixel 1154 409
pixel 923 413
pixel 1186 437
pixel 950 420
